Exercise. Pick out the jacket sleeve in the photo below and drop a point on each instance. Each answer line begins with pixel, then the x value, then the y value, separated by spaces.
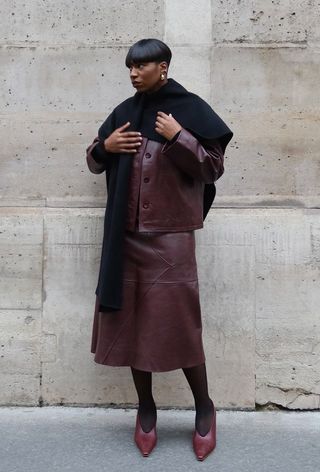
pixel 202 162
pixel 98 159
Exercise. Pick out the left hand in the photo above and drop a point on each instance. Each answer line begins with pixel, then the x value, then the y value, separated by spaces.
pixel 166 125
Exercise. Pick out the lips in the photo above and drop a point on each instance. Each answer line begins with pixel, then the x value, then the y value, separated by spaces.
pixel 136 83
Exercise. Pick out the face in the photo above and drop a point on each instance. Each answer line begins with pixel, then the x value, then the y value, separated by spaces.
pixel 145 76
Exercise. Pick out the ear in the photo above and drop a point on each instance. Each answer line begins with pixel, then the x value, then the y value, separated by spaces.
pixel 163 66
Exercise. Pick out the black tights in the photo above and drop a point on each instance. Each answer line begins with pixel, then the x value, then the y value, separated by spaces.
pixel 197 379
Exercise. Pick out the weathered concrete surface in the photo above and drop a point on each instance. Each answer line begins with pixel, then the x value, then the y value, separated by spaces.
pixel 62 72
pixel 20 356
pixel 260 21
pixel 60 439
pixel 188 23
pixel 286 297
pixel 72 257
pixel 273 161
pixel 20 305
pixel 273 79
pixel 110 21
pixel 51 72
pixel 195 74
pixel 21 260
pixel 228 317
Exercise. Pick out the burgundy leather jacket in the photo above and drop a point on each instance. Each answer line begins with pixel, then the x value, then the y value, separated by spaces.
pixel 167 181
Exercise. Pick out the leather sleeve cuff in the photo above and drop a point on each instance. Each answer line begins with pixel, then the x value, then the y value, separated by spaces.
pixel 98 153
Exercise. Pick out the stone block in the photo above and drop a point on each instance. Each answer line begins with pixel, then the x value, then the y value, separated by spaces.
pixel 70 276
pixel 313 24
pixel 272 160
pixel 260 21
pixel 20 357
pixel 284 295
pixel 63 79
pixel 256 79
pixel 190 66
pixel 110 21
pixel 21 260
pixel 53 150
pixel 227 283
pixel 187 23
pixel 82 227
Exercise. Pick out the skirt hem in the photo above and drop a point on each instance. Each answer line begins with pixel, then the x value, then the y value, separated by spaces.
pixel 149 369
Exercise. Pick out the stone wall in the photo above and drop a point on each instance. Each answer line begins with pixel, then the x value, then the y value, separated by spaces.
pixel 62 72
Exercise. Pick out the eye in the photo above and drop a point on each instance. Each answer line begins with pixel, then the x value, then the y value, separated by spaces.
pixel 137 66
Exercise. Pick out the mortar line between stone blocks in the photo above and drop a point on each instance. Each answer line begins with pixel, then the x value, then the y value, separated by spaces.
pixel 41 322
pixel 165 21
pixel 211 55
pixel 255 325
pixel 236 44
pixel 211 30
pixel 23 309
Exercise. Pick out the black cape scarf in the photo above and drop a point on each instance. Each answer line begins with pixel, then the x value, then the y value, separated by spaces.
pixel 193 114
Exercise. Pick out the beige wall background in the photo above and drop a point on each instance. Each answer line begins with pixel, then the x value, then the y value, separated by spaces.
pixel 62 71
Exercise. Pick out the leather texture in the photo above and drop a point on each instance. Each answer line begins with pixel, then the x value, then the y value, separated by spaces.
pixel 167 181
pixel 159 327
pixel 145 441
pixel 203 445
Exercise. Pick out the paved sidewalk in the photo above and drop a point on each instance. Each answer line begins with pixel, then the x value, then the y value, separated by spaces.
pixel 59 439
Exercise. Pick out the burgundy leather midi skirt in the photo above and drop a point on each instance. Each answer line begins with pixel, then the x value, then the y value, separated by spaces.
pixel 159 327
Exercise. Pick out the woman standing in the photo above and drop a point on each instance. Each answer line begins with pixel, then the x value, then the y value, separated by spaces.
pixel 161 150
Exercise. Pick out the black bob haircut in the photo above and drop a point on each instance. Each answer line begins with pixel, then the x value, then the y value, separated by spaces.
pixel 148 50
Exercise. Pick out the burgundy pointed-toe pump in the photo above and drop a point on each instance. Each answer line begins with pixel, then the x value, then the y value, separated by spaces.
pixel 145 441
pixel 203 445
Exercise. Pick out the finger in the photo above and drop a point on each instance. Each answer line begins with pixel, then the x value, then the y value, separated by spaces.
pixel 124 126
pixel 135 139
pixel 162 113
pixel 161 121
pixel 131 133
pixel 162 118
pixel 128 151
pixel 130 146
pixel 158 130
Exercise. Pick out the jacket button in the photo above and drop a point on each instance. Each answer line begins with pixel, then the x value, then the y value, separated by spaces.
pixel 148 155
pixel 146 180
pixel 146 205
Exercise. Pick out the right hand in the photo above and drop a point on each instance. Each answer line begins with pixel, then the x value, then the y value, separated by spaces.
pixel 123 141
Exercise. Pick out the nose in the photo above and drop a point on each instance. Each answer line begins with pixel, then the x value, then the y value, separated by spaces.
pixel 133 73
